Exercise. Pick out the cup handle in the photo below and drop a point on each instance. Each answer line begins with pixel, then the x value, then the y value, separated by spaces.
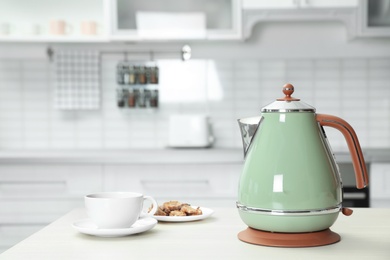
pixel 153 210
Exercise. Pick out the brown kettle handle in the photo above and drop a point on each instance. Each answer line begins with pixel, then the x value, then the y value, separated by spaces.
pixel 353 145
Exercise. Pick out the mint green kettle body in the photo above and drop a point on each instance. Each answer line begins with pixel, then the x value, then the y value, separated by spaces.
pixel 290 181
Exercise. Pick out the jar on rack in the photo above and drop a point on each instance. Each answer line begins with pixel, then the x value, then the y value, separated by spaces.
pixel 141 98
pixel 126 74
pixel 153 75
pixel 132 75
pixel 153 98
pixel 121 96
pixel 131 98
pixel 141 75
pixel 120 70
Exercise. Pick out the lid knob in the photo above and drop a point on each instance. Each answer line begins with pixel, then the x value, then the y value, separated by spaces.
pixel 288 89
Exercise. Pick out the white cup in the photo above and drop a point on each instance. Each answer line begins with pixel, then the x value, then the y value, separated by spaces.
pixel 31 29
pixel 88 28
pixel 110 210
pixel 59 27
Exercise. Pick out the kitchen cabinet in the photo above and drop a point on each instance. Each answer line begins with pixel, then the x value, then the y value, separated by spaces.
pixel 255 11
pixel 374 18
pixel 194 183
pixel 39 21
pixel 113 20
pixel 116 20
pixel 380 184
pixel 222 20
pixel 33 195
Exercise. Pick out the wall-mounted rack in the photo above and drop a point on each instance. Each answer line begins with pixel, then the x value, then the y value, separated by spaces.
pixel 137 82
pixel 185 52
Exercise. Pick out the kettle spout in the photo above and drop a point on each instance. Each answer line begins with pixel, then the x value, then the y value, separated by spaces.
pixel 248 128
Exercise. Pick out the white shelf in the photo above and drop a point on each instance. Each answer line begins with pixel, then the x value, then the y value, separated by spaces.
pixel 29 21
pixel 49 38
pixel 223 19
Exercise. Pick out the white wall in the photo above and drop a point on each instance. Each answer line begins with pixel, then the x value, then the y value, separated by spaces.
pixel 347 78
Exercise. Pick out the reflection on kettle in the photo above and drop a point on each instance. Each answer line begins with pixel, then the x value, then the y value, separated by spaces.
pixel 290 183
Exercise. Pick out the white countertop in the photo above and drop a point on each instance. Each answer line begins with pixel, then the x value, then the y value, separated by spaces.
pixel 137 156
pixel 155 156
pixel 364 235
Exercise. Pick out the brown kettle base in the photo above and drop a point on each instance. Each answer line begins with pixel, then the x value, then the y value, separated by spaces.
pixel 265 238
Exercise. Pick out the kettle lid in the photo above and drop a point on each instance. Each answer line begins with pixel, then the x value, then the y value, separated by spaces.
pixel 288 103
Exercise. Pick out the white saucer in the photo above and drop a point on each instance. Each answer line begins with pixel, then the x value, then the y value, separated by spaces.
pixel 206 212
pixel 86 226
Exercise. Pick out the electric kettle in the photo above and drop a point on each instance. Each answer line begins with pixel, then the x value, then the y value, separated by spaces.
pixel 290 182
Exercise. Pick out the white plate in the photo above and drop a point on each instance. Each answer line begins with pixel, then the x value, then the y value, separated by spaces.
pixel 206 212
pixel 86 226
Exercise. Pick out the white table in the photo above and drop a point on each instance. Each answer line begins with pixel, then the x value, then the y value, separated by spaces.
pixel 364 235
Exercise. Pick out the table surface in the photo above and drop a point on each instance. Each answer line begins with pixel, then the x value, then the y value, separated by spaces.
pixel 364 235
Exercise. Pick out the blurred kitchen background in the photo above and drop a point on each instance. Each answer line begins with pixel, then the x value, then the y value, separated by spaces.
pixel 237 56
pixel 325 51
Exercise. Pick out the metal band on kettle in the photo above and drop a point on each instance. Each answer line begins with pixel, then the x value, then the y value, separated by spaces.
pixel 309 212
